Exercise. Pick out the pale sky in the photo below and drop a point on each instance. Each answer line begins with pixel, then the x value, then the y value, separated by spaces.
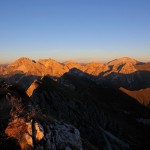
pixel 80 30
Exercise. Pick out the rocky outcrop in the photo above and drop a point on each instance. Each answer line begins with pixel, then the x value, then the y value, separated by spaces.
pixel 30 129
pixel 21 131
pixel 32 87
pixel 34 135
pixel 39 131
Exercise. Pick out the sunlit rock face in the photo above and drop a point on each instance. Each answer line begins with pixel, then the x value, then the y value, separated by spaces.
pixel 32 135
pixel 123 65
pixel 2 70
pixel 32 87
pixel 121 72
pixel 21 131
pixel 94 68
pixel 128 69
pixel 121 61
pixel 26 65
pixel 73 64
pixel 39 131
pixel 55 68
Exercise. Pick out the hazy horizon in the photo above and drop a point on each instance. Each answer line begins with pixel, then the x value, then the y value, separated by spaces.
pixel 77 60
pixel 83 31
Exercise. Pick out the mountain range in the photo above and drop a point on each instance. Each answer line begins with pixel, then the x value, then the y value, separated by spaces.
pixel 128 74
pixel 48 105
pixel 54 68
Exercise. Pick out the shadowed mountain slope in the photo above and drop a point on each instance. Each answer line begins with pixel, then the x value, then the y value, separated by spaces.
pixel 105 117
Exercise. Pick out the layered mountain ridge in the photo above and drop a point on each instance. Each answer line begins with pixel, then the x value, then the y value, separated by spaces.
pixel 123 72
pixel 54 68
pixel 70 106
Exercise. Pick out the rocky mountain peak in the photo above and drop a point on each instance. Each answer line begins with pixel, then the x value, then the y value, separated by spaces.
pixel 21 60
pixel 49 60
pixel 121 61
pixel 72 64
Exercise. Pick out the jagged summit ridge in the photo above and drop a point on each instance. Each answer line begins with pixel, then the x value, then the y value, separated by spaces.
pixel 124 71
pixel 54 68
pixel 123 60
